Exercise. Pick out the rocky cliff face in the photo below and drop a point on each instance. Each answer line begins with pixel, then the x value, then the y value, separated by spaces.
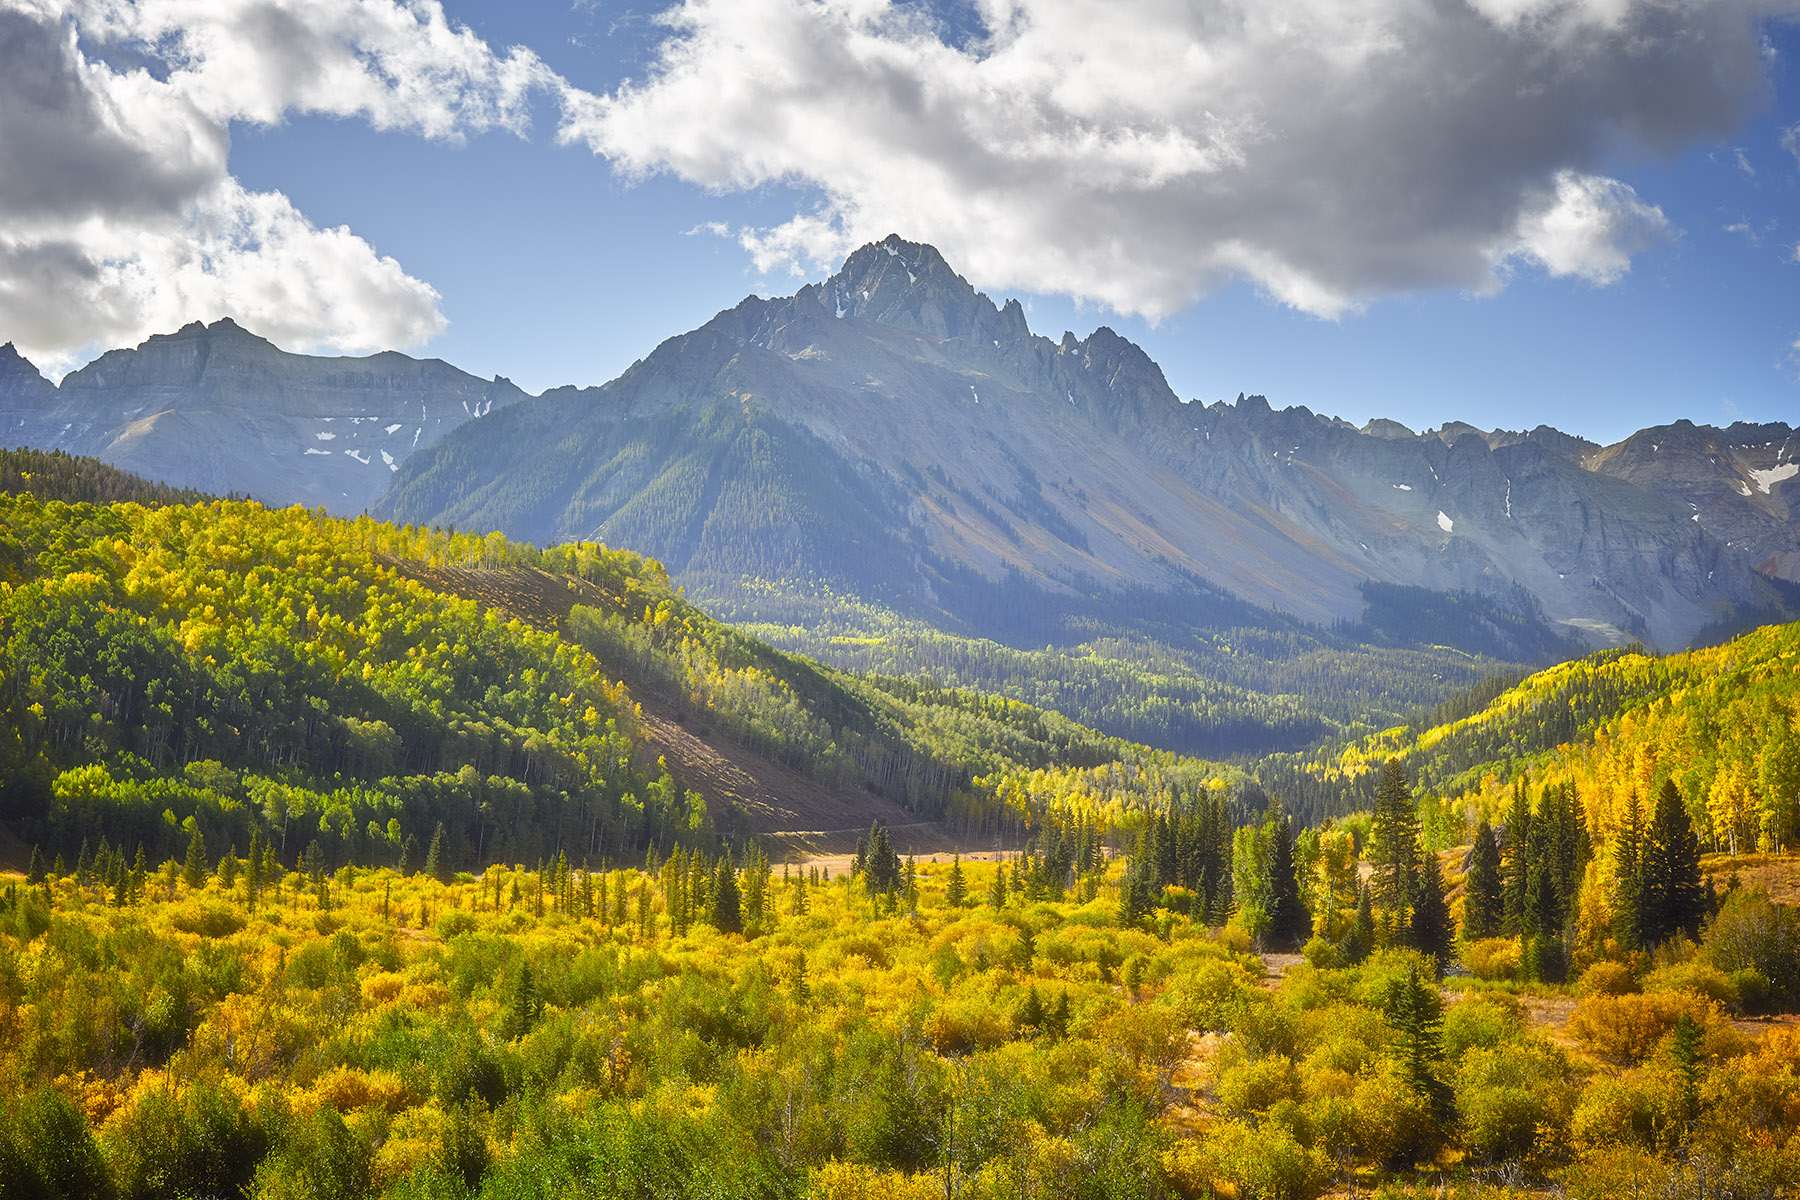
pixel 960 441
pixel 893 433
pixel 218 408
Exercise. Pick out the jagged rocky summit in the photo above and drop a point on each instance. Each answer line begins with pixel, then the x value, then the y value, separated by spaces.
pixel 895 435
pixel 217 408
pixel 892 431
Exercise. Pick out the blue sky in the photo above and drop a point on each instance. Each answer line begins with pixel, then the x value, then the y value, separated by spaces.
pixel 553 262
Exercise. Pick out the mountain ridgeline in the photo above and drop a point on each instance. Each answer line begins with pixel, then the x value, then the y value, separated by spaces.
pixel 893 434
pixel 889 472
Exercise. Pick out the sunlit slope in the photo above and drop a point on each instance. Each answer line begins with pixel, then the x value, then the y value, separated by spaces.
pixel 1720 721
pixel 225 666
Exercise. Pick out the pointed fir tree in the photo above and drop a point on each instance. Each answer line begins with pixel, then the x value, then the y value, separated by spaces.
pixel 1395 833
pixel 997 893
pixel 437 859
pixel 1361 939
pixel 1516 861
pixel 727 913
pixel 1628 922
pixel 1289 922
pixel 34 876
pixel 1433 932
pixel 194 872
pixel 1674 900
pixel 1482 899
pixel 1415 1012
pixel 956 891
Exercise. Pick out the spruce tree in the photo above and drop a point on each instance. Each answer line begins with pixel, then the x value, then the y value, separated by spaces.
pixel 727 907
pixel 1674 899
pixel 1289 922
pixel 1361 939
pixel 956 892
pixel 1433 931
pixel 1415 1011
pixel 1628 893
pixel 437 859
pixel 1517 862
pixel 194 872
pixel 997 892
pixel 35 875
pixel 1482 900
pixel 1396 837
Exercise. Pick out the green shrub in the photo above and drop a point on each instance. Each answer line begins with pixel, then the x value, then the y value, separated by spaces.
pixel 1264 1164
pixel 1699 978
pixel 1486 1019
pixel 47 1150
pixel 1253 1086
pixel 202 1142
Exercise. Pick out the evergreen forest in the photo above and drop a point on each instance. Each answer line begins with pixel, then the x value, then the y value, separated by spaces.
pixel 350 859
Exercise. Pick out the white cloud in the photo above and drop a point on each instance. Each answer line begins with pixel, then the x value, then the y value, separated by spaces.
pixel 1141 152
pixel 1588 227
pixel 118 213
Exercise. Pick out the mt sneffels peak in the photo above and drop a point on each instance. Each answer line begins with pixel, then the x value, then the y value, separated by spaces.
pixel 893 434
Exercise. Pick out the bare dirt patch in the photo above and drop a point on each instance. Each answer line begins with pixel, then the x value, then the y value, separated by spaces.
pixel 1777 874
pixel 797 817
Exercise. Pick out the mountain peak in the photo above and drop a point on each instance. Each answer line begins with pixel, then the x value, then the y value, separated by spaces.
pixel 908 285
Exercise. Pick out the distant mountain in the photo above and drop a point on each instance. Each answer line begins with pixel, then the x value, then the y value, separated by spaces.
pixel 893 434
pixel 217 408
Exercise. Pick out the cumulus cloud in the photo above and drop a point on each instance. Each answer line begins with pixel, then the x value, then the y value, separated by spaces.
pixel 118 213
pixel 1141 152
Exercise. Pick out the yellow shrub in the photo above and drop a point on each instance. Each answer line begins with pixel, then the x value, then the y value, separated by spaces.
pixel 382 987
pixel 963 1024
pixel 1639 1109
pixel 1627 1028
pixel 853 1181
pixel 1606 979
pixel 412 1141
pixel 1493 958
pixel 346 1088
pixel 208 918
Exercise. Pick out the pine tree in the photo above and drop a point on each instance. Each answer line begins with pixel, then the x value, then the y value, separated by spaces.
pixel 409 854
pixel 194 872
pixel 522 1004
pixel 727 914
pixel 1396 837
pixel 1433 931
pixel 1289 922
pixel 34 877
pixel 956 892
pixel 1482 898
pixel 1416 1013
pixel 1628 893
pixel 997 893
pixel 1361 939
pixel 1674 900
pixel 437 859
pixel 1516 858
pixel 1056 1021
pixel 1031 1012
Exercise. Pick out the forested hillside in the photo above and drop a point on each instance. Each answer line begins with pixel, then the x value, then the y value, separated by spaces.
pixel 287 676
pixel 1721 721
pixel 1193 672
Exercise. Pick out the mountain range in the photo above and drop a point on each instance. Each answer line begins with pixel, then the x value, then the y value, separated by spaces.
pixel 217 408
pixel 893 436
